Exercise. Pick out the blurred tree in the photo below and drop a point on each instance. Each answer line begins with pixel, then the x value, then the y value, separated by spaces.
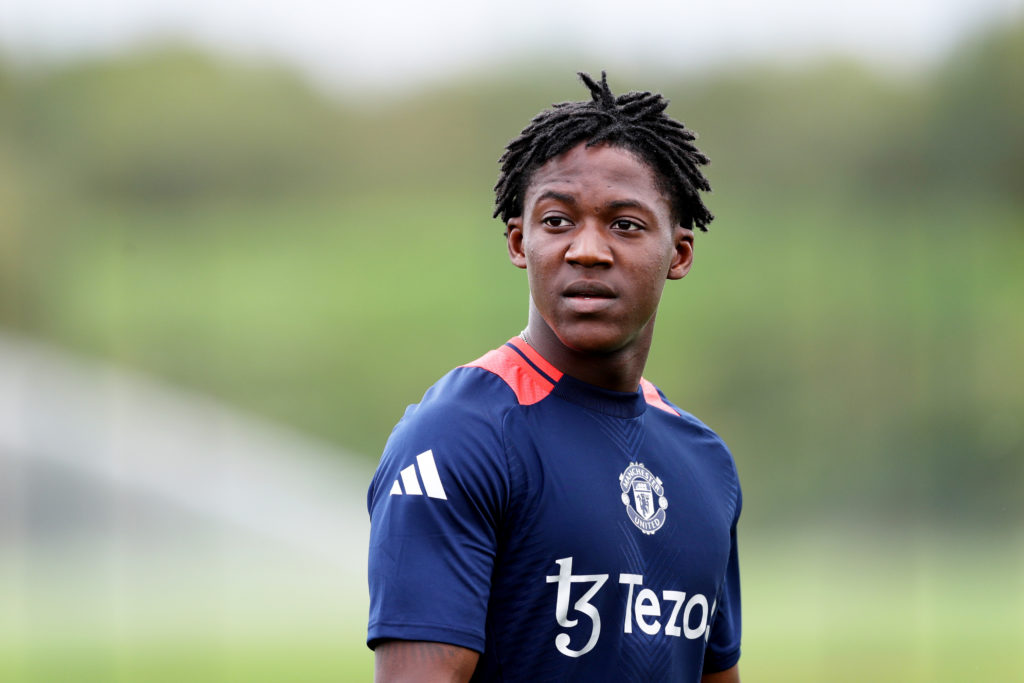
pixel 174 125
pixel 977 128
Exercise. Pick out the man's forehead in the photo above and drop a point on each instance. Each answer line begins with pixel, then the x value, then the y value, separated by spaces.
pixel 612 173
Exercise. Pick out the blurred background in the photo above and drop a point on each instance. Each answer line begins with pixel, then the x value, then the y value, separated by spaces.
pixel 237 239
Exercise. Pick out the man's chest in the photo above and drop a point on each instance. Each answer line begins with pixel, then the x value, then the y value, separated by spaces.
pixel 619 490
pixel 613 525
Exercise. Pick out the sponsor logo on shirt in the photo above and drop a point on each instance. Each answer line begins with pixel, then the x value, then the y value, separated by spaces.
pixel 409 484
pixel 673 613
pixel 640 491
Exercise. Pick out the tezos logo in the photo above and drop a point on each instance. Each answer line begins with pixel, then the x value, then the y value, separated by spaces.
pixel 645 488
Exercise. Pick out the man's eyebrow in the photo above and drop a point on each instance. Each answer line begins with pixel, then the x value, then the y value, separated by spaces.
pixel 627 204
pixel 557 196
pixel 631 204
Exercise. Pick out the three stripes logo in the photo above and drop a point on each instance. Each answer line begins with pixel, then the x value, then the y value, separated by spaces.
pixel 427 473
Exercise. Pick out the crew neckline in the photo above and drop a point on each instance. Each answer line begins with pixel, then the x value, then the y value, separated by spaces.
pixel 626 404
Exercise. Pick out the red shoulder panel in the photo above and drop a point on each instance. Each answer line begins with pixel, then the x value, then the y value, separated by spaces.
pixel 535 358
pixel 529 385
pixel 653 398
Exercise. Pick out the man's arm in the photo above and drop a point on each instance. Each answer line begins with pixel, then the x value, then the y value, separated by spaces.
pixel 728 676
pixel 398 661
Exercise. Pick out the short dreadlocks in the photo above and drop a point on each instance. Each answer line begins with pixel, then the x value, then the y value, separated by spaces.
pixel 635 121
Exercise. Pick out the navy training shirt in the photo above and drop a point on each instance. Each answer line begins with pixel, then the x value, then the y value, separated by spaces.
pixel 563 531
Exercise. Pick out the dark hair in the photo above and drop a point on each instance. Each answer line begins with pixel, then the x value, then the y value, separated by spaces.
pixel 635 121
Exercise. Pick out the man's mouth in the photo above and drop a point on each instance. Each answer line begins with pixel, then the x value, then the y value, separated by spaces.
pixel 589 290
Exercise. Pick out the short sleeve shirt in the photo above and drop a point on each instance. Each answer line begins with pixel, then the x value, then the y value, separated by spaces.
pixel 561 530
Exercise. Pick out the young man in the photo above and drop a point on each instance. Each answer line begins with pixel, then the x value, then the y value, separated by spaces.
pixel 545 513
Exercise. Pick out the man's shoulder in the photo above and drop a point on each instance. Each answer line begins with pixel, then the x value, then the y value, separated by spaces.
pixel 656 398
pixel 457 426
pixel 472 398
pixel 700 440
pixel 463 391
pixel 507 376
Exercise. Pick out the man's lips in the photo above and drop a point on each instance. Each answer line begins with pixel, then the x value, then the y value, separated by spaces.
pixel 589 289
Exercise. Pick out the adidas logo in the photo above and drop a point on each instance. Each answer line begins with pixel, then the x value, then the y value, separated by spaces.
pixel 428 473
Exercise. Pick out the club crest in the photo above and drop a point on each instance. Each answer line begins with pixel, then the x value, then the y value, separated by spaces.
pixel 644 498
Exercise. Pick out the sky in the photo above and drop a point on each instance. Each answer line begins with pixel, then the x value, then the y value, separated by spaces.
pixel 387 45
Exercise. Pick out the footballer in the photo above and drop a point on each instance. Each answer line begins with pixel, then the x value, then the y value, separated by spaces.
pixel 545 513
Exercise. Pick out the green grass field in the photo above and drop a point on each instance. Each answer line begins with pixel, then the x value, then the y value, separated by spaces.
pixel 852 608
pixel 817 607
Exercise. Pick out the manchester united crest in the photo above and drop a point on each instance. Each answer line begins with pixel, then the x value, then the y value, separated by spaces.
pixel 644 498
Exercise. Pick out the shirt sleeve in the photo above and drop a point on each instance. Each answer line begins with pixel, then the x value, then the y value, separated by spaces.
pixel 435 505
pixel 723 648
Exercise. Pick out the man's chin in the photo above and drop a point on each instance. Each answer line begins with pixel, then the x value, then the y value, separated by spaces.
pixel 594 342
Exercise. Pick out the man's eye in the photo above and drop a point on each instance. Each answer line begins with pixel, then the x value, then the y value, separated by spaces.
pixel 628 225
pixel 556 221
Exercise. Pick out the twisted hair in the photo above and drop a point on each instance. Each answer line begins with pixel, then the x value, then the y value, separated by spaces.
pixel 635 121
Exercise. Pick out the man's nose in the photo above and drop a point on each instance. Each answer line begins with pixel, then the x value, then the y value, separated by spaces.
pixel 589 246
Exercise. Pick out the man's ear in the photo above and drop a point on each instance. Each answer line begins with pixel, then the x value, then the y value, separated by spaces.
pixel 514 237
pixel 682 256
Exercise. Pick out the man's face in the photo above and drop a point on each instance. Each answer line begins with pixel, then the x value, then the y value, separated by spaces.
pixel 598 242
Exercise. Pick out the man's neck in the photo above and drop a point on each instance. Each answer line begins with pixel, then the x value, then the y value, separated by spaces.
pixel 619 370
